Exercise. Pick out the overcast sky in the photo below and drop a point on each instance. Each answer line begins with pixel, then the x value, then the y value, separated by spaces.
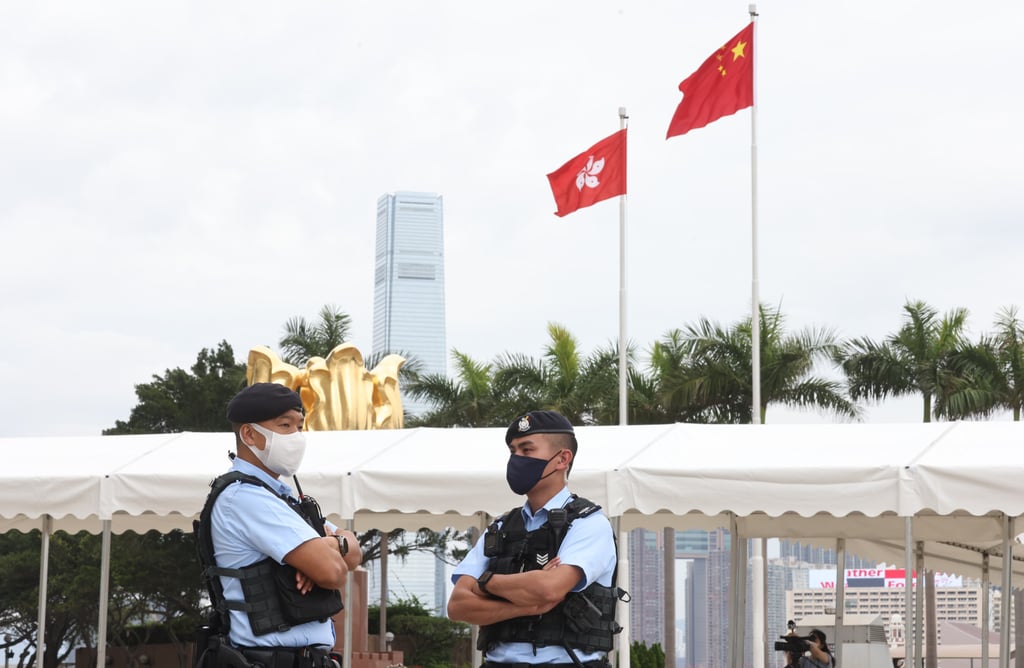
pixel 177 173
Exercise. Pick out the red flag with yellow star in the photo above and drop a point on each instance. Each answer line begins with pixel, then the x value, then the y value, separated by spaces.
pixel 723 85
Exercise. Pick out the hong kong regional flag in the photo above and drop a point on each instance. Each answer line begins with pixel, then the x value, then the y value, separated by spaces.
pixel 594 175
pixel 723 85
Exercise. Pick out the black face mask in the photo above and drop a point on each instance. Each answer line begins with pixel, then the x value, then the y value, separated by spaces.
pixel 523 473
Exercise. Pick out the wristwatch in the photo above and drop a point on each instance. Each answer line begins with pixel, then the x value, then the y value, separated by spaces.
pixel 342 544
pixel 482 581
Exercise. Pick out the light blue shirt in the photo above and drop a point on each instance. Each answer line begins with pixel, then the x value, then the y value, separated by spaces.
pixel 589 544
pixel 249 524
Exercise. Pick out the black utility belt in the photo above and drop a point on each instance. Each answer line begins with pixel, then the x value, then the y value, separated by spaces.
pixel 289 657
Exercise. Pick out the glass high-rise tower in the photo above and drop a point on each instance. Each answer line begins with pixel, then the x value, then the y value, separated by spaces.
pixel 408 284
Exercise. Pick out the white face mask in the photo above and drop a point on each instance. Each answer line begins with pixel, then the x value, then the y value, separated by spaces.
pixel 283 452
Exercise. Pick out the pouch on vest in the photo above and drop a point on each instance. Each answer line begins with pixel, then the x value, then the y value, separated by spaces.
pixel 297 608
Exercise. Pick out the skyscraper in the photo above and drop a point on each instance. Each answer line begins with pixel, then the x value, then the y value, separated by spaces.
pixel 408 283
pixel 646 587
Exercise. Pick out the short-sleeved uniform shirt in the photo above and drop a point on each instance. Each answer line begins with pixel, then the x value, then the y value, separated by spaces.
pixel 589 544
pixel 249 524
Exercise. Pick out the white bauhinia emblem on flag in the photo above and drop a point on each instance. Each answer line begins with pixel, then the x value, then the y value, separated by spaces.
pixel 588 175
pixel 542 559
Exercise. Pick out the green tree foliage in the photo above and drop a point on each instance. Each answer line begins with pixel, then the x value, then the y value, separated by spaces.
pixel 642 656
pixel 601 382
pixel 448 545
pixel 468 400
pixel 925 356
pixel 426 640
pixel 148 583
pixel 582 388
pixel 67 615
pixel 704 371
pixel 993 370
pixel 1006 379
pixel 552 382
pixel 183 400
pixel 304 339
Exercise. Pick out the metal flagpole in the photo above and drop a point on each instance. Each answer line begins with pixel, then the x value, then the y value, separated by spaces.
pixel 755 307
pixel 623 640
pixel 760 599
pixel 623 400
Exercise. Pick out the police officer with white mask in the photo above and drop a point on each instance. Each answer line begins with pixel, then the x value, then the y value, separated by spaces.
pixel 273 565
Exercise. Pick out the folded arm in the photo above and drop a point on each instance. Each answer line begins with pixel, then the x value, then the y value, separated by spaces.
pixel 318 561
pixel 513 595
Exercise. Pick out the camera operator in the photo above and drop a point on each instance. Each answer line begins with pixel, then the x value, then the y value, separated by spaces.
pixel 820 654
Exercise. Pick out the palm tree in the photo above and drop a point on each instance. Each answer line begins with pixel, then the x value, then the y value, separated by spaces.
pixel 664 388
pixel 705 370
pixel 563 379
pixel 599 382
pixel 924 357
pixel 467 401
pixel 1008 342
pixel 303 339
pixel 995 369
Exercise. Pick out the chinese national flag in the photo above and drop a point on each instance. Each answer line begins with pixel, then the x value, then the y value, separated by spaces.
pixel 594 175
pixel 723 85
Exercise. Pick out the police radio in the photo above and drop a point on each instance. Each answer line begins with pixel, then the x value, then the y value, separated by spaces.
pixel 310 510
pixel 493 542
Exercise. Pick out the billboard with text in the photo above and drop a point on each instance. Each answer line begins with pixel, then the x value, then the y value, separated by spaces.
pixel 823 578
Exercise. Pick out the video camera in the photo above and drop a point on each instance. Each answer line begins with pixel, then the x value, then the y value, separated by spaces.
pixel 795 644
pixel 792 643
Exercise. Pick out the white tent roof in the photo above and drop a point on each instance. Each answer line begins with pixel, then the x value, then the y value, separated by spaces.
pixel 776 469
pixel 854 481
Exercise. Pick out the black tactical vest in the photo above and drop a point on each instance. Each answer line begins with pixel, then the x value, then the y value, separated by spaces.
pixel 270 598
pixel 585 620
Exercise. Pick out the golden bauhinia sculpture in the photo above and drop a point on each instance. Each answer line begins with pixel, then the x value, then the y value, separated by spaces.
pixel 337 392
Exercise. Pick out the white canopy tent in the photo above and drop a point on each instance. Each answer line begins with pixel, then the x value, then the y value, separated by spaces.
pixel 856 482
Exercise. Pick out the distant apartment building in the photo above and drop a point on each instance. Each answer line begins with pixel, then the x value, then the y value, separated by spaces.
pixel 424 576
pixel 408 282
pixel 646 587
pixel 962 604
pixel 707 596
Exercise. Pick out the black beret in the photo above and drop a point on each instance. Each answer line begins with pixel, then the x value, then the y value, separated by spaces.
pixel 262 401
pixel 538 422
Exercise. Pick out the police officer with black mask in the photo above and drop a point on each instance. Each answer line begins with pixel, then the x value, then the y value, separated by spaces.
pixel 539 582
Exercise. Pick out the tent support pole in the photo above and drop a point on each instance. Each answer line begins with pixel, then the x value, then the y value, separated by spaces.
pixel 738 594
pixel 474 632
pixel 759 602
pixel 45 529
pixel 622 641
pixel 908 591
pixel 347 631
pixel 669 599
pixel 919 604
pixel 1006 605
pixel 986 589
pixel 840 598
pixel 101 631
